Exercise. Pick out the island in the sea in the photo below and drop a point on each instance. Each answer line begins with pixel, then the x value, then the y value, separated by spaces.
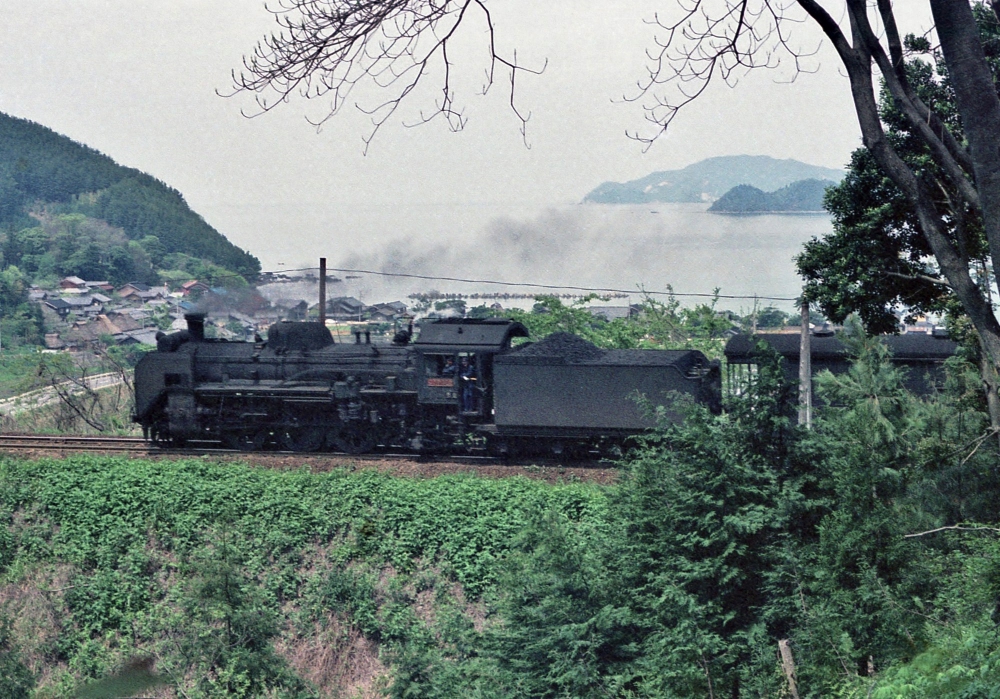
pixel 798 197
pixel 711 179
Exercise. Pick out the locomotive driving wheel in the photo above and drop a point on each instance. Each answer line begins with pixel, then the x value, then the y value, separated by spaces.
pixel 351 437
pixel 247 440
pixel 302 438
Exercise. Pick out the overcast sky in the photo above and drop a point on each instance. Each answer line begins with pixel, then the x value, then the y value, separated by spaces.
pixel 137 80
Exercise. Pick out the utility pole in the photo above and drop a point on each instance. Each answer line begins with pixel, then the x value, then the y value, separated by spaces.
pixel 805 370
pixel 322 291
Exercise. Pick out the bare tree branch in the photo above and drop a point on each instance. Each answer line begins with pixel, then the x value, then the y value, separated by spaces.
pixel 954 527
pixel 710 39
pixel 920 277
pixel 328 48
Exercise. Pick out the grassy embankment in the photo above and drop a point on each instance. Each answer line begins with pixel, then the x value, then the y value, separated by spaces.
pixel 241 581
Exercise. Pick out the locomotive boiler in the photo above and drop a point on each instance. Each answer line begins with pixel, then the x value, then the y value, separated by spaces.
pixel 462 384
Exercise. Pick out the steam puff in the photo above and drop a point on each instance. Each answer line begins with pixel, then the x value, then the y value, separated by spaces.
pixel 625 247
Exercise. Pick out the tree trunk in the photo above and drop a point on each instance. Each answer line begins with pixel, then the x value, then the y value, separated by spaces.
pixel 978 105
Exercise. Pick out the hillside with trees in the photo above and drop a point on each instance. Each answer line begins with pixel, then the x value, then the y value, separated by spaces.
pixel 66 209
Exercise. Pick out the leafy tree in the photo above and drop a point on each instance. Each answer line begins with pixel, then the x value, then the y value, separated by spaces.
pixel 876 261
pixel 672 594
pixel 161 317
pixel 229 627
pixel 654 325
pixel 482 311
pixel 153 247
pixel 20 321
pixel 550 315
pixel 16 679
pixel 456 305
pixel 561 636
pixel 859 563
pixel 771 317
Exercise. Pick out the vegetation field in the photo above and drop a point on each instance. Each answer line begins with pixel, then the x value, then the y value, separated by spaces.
pixel 241 581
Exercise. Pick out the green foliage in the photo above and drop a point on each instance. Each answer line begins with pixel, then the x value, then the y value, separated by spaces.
pixel 870 543
pixel 656 325
pixel 771 317
pixel 962 659
pixel 561 636
pixel 45 165
pixel 16 679
pixel 731 532
pixel 874 260
pixel 20 321
pixel 703 512
pixel 456 305
pixel 41 169
pixel 667 594
pixel 144 207
pixel 235 543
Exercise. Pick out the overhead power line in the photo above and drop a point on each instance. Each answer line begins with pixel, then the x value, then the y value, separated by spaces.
pixel 554 287
pixel 495 282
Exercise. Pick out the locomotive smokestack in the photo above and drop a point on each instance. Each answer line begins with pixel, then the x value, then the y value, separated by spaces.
pixel 196 325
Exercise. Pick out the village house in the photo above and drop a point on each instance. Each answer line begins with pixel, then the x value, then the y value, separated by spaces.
pixel 137 291
pixel 387 312
pixel 72 283
pixel 145 336
pixel 57 305
pixel 53 342
pixel 297 312
pixel 345 308
pixel 85 305
pixel 194 287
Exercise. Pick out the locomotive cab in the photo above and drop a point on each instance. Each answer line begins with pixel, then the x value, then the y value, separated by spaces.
pixel 455 363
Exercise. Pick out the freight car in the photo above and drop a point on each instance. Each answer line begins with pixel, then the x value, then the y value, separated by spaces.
pixel 461 384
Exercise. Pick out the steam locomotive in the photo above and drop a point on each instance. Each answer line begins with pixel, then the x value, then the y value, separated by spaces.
pixel 460 385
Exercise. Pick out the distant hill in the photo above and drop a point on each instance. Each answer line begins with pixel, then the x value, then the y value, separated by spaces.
pixel 709 179
pixel 50 184
pixel 804 195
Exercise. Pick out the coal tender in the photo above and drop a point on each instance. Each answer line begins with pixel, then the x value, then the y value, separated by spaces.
pixel 461 386
pixel 566 391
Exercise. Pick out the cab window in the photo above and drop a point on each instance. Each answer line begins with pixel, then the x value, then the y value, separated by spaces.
pixel 439 365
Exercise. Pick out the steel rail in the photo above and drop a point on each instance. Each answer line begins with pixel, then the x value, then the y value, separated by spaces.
pixel 92 443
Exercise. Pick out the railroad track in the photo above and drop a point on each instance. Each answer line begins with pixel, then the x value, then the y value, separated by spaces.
pixel 139 446
pixel 70 442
